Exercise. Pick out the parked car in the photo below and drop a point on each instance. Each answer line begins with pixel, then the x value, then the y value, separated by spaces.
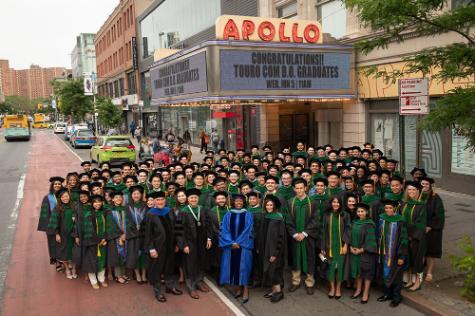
pixel 113 149
pixel 59 128
pixel 74 128
pixel 83 138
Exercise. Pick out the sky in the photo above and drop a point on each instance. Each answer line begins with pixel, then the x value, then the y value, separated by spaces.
pixel 43 32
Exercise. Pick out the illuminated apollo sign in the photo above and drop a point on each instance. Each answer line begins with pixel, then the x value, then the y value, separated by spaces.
pixel 248 28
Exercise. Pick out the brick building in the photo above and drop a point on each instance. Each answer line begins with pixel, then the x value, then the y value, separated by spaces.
pixel 32 83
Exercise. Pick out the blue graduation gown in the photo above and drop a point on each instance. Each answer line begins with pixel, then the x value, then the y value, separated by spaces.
pixel 236 264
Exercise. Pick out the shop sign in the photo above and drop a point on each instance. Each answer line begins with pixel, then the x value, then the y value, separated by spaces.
pixel 180 77
pixel 281 70
pixel 249 28
pixel 413 96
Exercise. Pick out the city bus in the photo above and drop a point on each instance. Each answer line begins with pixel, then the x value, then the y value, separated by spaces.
pixel 39 121
pixel 16 127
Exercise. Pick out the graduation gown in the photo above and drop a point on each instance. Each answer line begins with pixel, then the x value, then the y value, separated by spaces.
pixel 119 222
pixel 137 212
pixel 336 232
pixel 78 250
pixel 47 205
pixel 321 203
pixel 392 245
pixel 62 221
pixel 215 217
pixel 272 237
pixel 257 256
pixel 159 235
pixel 93 231
pixel 435 220
pixel 236 264
pixel 363 235
pixel 375 206
pixel 415 214
pixel 287 192
pixel 303 217
pixel 194 236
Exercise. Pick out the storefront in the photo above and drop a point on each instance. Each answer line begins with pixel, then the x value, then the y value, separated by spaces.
pixel 251 92
pixel 443 154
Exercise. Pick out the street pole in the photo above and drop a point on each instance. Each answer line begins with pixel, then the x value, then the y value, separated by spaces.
pixel 96 125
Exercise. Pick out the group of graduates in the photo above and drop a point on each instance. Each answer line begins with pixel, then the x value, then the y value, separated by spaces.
pixel 345 216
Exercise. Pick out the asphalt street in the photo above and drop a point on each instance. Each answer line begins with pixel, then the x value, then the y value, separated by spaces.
pixel 13 157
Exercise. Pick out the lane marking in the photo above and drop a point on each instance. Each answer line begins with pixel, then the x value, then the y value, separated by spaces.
pixel 224 298
pixel 19 198
pixel 70 149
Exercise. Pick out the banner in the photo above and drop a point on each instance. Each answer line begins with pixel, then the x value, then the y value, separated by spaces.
pixel 88 85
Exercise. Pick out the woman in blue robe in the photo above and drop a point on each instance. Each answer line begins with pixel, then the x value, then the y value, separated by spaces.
pixel 236 241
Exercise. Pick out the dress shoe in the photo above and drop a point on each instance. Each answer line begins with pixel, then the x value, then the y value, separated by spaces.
pixel 383 298
pixel 268 295
pixel 337 297
pixel 161 298
pixel 203 287
pixel 309 290
pixel 394 304
pixel 294 288
pixel 355 296
pixel 276 297
pixel 174 291
pixel 194 295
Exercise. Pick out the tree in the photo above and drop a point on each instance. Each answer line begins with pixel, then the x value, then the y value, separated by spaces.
pixel 6 108
pixel 392 20
pixel 19 103
pixel 73 100
pixel 109 115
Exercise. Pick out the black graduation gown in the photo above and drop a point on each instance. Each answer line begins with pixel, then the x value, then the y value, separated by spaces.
pixel 78 250
pixel 214 254
pixel 364 265
pixel 114 258
pixel 58 224
pixel 435 220
pixel 159 235
pixel 43 221
pixel 195 237
pixel 272 237
pixel 310 227
pixel 90 239
pixel 136 244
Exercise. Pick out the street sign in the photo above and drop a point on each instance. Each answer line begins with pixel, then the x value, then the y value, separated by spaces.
pixel 413 96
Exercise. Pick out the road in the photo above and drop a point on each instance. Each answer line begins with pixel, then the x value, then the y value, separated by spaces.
pixel 13 157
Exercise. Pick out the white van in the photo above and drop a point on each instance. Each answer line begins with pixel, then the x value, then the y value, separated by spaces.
pixel 59 128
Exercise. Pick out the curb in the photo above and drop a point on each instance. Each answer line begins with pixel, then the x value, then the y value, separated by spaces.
pixel 425 306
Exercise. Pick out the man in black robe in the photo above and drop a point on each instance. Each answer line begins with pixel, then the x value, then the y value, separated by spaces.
pixel 161 246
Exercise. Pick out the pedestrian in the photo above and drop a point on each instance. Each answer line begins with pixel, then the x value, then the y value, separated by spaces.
pixel 170 137
pixel 271 238
pixel 236 239
pixel 204 141
pixel 132 127
pixel 302 227
pixel 187 137
pixel 215 139
pixel 393 252
pixel 435 225
pixel 363 250
pixel 138 134
pixel 160 244
pixel 47 206
pixel 335 239
pixel 93 240
pixel 61 225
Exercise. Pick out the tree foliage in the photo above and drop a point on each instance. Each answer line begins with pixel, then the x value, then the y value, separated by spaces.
pixel 19 104
pixel 466 265
pixel 109 115
pixel 393 20
pixel 72 99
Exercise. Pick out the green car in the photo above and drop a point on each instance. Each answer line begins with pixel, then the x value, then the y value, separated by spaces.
pixel 113 149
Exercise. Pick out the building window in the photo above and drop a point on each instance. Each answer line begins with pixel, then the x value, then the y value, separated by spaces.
pixel 332 16
pixel 458 3
pixel 288 11
pixel 131 83
pixel 463 160
pixel 121 87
